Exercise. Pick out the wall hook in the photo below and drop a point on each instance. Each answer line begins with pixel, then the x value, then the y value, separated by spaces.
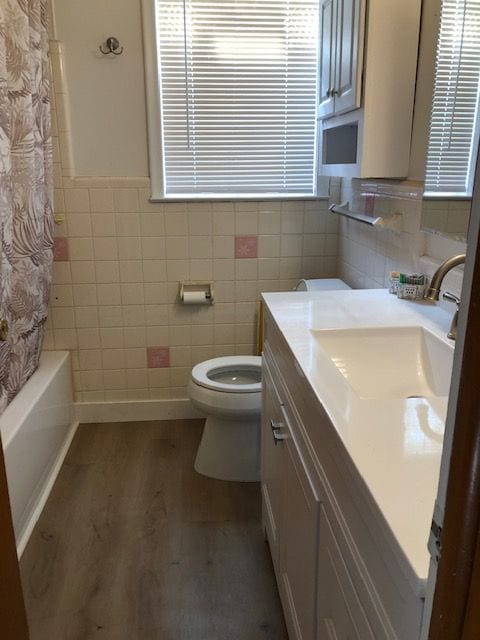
pixel 112 45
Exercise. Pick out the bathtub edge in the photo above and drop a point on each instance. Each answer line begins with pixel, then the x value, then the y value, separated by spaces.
pixel 45 491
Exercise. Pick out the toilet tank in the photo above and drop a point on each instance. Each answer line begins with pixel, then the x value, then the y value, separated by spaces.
pixel 321 284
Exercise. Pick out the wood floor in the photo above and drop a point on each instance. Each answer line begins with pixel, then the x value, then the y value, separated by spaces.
pixel 134 545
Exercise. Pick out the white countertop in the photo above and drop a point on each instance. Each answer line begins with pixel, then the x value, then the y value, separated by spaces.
pixel 395 444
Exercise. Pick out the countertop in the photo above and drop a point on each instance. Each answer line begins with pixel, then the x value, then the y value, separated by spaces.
pixel 395 444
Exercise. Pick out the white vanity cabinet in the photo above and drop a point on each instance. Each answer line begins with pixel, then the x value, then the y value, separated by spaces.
pixel 341 54
pixel 271 462
pixel 298 541
pixel 291 505
pixel 340 613
pixel 337 575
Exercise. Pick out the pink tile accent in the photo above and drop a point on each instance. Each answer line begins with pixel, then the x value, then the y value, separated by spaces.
pixel 158 357
pixel 60 250
pixel 246 246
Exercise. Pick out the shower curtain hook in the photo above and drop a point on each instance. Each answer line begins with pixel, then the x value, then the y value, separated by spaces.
pixel 112 45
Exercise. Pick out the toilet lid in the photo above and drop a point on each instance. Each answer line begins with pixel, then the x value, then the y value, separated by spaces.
pixel 232 374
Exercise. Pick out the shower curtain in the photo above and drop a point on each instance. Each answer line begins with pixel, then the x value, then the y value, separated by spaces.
pixel 26 189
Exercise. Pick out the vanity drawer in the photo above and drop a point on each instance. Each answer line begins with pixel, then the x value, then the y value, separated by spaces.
pixel 340 615
pixel 269 367
pixel 358 575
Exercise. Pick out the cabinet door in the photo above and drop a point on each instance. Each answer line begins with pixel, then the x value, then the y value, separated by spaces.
pixel 340 614
pixel 272 453
pixel 298 546
pixel 326 63
pixel 349 58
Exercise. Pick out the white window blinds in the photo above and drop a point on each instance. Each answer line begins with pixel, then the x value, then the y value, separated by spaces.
pixel 238 95
pixel 453 137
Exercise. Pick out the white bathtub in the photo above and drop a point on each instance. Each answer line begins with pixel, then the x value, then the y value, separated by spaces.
pixel 37 428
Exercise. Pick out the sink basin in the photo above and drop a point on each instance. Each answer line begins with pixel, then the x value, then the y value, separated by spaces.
pixel 389 362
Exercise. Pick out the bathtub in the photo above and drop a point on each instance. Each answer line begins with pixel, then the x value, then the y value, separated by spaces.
pixel 37 428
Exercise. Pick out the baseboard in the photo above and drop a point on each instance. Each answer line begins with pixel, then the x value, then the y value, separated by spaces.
pixel 135 410
pixel 45 491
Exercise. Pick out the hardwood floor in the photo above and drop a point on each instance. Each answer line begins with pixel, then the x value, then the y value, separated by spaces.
pixel 134 544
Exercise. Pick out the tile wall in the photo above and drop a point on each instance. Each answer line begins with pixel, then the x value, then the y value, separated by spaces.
pixel 448 216
pixel 119 259
pixel 368 254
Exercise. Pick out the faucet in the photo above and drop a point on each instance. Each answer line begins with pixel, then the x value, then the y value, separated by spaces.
pixel 433 292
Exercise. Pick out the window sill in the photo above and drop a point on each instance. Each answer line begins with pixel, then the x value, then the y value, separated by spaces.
pixel 224 198
pixel 432 195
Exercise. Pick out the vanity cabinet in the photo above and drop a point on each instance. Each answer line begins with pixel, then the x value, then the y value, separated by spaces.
pixel 271 462
pixel 341 54
pixel 340 613
pixel 299 530
pixel 337 577
pixel 291 505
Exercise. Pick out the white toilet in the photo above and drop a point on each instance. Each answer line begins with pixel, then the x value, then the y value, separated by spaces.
pixel 229 391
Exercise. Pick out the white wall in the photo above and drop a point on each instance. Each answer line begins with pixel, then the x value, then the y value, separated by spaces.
pixel 424 88
pixel 119 257
pixel 106 93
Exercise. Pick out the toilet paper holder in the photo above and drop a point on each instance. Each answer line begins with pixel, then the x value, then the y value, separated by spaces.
pixel 196 293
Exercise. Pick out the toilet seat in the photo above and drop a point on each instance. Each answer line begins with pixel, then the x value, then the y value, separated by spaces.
pixel 209 374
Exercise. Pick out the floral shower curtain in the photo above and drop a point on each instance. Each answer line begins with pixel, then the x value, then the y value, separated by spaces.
pixel 26 189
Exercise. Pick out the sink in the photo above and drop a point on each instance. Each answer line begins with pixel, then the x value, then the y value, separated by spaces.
pixel 389 362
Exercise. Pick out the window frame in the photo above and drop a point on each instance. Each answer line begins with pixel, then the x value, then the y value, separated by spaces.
pixel 474 145
pixel 153 95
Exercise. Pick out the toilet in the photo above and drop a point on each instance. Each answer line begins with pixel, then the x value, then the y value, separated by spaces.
pixel 229 391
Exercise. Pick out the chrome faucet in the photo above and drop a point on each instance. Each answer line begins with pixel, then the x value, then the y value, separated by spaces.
pixel 433 292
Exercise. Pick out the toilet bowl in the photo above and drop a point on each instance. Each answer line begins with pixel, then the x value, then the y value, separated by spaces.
pixel 228 391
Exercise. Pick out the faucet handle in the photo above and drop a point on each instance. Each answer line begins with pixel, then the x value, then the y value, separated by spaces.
pixel 451 297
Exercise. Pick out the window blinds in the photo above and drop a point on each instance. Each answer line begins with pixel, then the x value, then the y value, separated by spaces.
pixel 453 137
pixel 238 96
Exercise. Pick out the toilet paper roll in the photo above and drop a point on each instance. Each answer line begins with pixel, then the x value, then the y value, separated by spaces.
pixel 195 297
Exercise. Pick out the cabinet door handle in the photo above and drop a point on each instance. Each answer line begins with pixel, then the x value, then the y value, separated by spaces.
pixel 276 431
pixel 329 93
pixel 278 437
pixel 275 426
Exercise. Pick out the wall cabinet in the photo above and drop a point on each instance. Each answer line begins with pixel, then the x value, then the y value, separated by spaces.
pixel 337 577
pixel 341 54
pixel 367 77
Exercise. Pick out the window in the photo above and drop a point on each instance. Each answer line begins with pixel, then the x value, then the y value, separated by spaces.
pixel 453 139
pixel 233 111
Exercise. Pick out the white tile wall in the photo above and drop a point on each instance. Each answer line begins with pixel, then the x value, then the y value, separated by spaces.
pixel 116 276
pixel 368 254
pixel 448 216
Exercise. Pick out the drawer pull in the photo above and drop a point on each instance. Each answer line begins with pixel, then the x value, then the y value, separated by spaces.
pixel 275 426
pixel 278 437
pixel 276 431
